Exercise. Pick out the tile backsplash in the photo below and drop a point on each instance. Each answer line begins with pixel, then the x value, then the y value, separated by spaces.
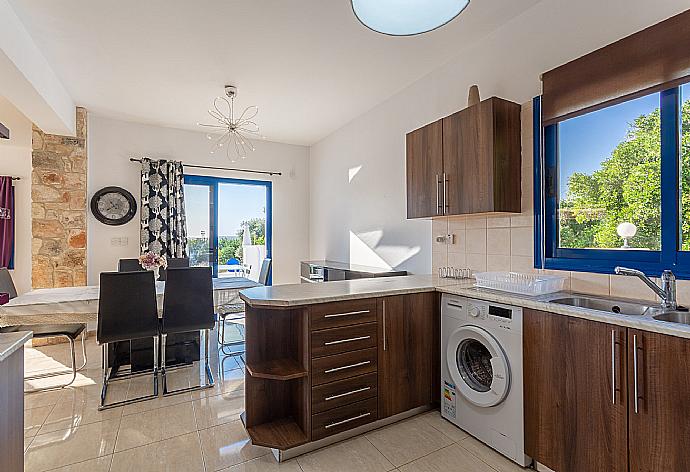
pixel 505 242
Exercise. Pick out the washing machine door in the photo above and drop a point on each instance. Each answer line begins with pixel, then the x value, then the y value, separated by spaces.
pixel 478 366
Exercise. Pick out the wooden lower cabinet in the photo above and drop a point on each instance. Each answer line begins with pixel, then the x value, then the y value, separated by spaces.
pixel 575 393
pixel 407 351
pixel 659 429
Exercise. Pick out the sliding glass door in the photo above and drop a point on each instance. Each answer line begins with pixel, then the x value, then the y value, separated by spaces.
pixel 228 224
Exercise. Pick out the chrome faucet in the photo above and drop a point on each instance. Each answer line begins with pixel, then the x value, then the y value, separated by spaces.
pixel 667 292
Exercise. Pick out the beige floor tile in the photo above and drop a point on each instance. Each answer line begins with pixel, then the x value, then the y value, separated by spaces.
pixel 60 448
pixel 39 399
pixel 452 457
pixel 181 453
pixel 265 463
pixel 355 454
pixel 34 419
pixel 488 455
pixel 408 440
pixel 219 409
pixel 142 386
pixel 77 408
pixel 227 445
pixel 101 464
pixel 27 442
pixel 155 425
pixel 227 383
pixel 446 427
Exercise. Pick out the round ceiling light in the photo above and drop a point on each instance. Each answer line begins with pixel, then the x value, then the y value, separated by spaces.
pixel 406 17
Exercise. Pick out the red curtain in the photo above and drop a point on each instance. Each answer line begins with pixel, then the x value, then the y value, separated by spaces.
pixel 6 221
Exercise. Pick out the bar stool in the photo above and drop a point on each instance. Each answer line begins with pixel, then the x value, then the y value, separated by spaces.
pixel 188 307
pixel 127 310
pixel 234 313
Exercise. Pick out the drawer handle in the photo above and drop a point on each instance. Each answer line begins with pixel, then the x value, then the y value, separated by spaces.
pixel 338 423
pixel 349 313
pixel 352 392
pixel 336 369
pixel 349 340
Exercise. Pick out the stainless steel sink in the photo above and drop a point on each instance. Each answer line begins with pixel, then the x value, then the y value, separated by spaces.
pixel 599 304
pixel 681 317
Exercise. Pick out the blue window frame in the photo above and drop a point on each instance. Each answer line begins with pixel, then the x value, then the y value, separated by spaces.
pixel 547 251
pixel 212 183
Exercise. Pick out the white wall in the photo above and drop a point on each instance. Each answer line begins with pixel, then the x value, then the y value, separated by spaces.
pixel 15 160
pixel 110 145
pixel 364 221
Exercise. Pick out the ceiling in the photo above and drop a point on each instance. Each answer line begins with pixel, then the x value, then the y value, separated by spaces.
pixel 308 64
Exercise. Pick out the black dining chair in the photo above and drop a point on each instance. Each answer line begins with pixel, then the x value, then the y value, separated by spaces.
pixel 71 332
pixel 129 265
pixel 188 307
pixel 234 314
pixel 174 263
pixel 127 310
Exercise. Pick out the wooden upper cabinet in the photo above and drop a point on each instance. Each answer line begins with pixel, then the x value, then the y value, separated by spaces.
pixel 659 429
pixel 575 394
pixel 424 153
pixel 479 167
pixel 406 352
pixel 481 158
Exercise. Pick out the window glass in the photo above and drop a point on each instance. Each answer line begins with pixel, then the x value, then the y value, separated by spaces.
pixel 685 167
pixel 609 164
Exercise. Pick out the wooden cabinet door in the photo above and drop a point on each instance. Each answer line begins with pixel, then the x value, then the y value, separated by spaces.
pixel 467 162
pixel 575 393
pixel 659 419
pixel 424 156
pixel 406 351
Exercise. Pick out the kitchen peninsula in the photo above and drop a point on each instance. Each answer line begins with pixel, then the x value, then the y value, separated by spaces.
pixel 330 361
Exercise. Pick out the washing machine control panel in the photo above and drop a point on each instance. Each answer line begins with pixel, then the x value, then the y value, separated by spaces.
pixel 490 313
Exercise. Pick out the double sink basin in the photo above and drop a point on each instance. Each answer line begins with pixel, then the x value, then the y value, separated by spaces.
pixel 623 307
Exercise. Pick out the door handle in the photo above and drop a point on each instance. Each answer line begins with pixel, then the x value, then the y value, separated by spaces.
pixel 351 392
pixel 445 193
pixel 385 344
pixel 354 418
pixel 349 313
pixel 438 205
pixel 635 387
pixel 336 369
pixel 613 366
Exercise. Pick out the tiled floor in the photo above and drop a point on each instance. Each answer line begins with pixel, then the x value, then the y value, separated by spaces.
pixel 201 431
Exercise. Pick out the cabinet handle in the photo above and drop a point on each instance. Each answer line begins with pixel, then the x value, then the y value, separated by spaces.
pixel 635 391
pixel 445 193
pixel 338 423
pixel 613 366
pixel 352 392
pixel 348 340
pixel 349 313
pixel 438 204
pixel 385 344
pixel 336 369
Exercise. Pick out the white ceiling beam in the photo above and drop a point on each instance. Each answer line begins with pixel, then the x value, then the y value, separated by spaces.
pixel 28 81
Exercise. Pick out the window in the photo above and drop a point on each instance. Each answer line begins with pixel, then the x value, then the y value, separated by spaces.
pixel 614 187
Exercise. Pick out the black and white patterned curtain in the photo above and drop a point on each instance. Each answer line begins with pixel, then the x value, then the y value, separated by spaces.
pixel 163 221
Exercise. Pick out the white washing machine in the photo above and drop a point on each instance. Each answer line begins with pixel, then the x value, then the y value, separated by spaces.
pixel 481 372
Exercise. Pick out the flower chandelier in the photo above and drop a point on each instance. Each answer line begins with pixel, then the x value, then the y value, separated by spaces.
pixel 233 135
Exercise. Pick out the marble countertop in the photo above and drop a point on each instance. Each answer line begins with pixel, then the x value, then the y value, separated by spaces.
pixel 286 296
pixel 11 342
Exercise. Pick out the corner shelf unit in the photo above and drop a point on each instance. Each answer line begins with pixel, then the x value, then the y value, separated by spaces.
pixel 277 379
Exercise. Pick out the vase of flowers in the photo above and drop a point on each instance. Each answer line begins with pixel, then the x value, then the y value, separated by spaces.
pixel 153 262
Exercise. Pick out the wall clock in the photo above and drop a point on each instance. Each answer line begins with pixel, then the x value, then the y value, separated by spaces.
pixel 113 206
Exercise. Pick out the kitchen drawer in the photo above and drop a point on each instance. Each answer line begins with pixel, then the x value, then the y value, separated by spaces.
pixel 336 394
pixel 331 341
pixel 341 419
pixel 342 366
pixel 333 315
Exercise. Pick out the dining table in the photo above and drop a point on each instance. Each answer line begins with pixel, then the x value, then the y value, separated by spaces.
pixel 79 305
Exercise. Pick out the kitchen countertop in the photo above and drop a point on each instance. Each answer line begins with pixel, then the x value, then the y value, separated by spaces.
pixel 11 342
pixel 350 267
pixel 287 296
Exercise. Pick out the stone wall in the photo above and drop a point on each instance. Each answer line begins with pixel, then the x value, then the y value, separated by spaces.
pixel 58 207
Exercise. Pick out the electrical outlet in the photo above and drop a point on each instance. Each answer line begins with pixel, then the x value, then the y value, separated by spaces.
pixel 446 239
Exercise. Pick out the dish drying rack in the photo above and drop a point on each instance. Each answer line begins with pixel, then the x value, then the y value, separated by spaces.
pixel 524 284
